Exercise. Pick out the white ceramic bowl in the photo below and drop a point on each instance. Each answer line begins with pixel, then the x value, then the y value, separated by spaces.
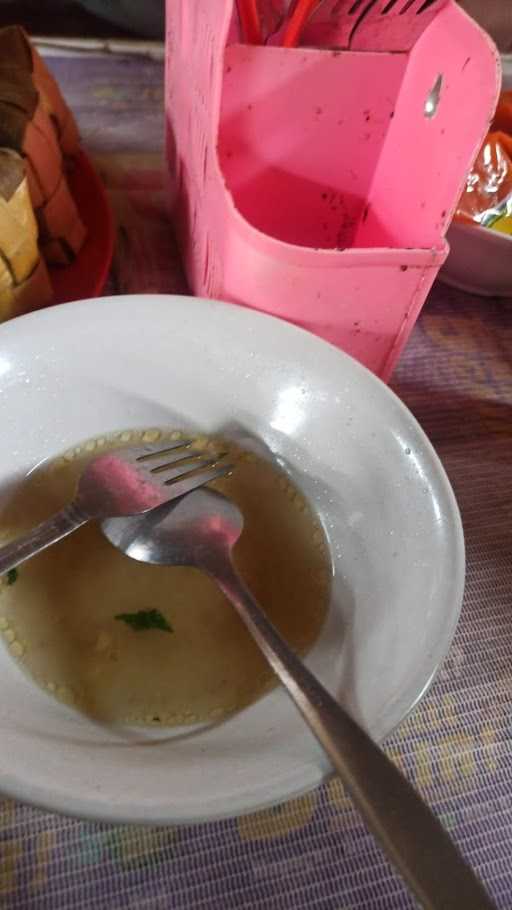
pixel 75 371
pixel 480 260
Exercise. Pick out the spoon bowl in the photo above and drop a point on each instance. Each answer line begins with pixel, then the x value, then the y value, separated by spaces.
pixel 184 532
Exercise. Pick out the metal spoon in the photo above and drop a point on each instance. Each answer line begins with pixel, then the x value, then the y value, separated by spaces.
pixel 201 530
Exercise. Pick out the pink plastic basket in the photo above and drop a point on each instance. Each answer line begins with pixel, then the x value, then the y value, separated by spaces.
pixel 318 184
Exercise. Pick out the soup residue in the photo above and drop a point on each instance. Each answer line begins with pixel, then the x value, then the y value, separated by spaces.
pixel 69 615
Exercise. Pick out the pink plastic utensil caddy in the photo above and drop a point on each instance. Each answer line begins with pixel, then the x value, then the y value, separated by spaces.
pixel 317 184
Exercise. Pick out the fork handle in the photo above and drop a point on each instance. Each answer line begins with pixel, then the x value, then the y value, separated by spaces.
pixel 42 536
pixel 409 832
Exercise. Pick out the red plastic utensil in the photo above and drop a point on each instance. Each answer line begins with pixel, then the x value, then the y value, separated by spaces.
pixel 250 21
pixel 303 11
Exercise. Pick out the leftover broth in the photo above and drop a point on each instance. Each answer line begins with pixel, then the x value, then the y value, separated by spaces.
pixel 137 644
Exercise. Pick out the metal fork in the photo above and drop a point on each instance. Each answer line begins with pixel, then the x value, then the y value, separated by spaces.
pixel 128 481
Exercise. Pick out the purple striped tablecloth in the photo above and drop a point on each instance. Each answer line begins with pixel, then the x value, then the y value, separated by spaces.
pixel 456 376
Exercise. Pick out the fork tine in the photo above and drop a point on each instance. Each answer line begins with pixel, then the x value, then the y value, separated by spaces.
pixel 184 470
pixel 199 479
pixel 380 7
pixel 155 450
pixel 181 459
pixel 423 7
pixel 411 6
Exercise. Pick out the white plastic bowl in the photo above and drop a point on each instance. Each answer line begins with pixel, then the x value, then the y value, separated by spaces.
pixel 83 369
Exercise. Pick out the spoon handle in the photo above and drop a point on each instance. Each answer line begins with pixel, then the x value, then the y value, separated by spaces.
pixel 409 832
pixel 40 537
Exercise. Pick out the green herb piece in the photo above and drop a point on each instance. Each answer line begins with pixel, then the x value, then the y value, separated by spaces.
pixel 145 619
pixel 12 576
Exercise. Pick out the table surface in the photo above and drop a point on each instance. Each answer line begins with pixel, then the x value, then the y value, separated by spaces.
pixel 456 377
